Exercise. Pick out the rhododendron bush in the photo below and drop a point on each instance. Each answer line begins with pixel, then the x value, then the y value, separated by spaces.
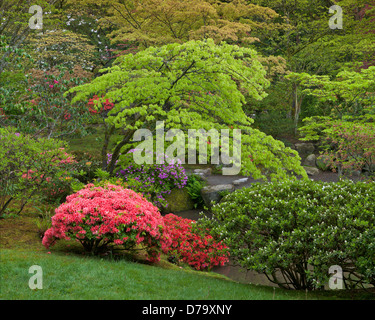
pixel 55 187
pixel 29 167
pixel 99 216
pixel 194 246
pixel 44 111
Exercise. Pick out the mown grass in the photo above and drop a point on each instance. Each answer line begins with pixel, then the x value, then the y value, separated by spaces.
pixel 77 277
pixel 72 277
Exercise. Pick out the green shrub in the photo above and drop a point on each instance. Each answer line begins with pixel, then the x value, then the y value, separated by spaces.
pixel 194 186
pixel 293 231
pixel 35 104
pixel 12 86
pixel 31 168
pixel 155 180
pixel 86 167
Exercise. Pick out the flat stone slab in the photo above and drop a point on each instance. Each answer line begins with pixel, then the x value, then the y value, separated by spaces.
pixel 203 172
pixel 213 193
pixel 239 181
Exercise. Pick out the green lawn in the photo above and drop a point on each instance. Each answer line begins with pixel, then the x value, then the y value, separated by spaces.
pixel 68 274
pixel 79 277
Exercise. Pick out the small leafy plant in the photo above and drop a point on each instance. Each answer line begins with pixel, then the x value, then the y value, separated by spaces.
pixel 194 186
pixel 43 220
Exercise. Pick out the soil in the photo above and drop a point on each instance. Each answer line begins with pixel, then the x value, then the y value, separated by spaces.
pixel 19 232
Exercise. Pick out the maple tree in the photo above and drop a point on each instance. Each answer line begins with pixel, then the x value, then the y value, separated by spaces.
pixel 61 48
pixel 157 22
pixel 350 93
pixel 193 85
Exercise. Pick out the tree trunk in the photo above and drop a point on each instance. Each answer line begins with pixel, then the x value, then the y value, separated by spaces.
pixel 297 102
pixel 107 136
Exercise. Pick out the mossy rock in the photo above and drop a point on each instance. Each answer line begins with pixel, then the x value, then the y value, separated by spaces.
pixel 178 200
pixel 321 163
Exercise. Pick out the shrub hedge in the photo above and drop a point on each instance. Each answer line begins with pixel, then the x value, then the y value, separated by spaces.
pixel 293 231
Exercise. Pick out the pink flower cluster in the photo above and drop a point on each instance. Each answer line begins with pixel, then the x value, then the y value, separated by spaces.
pixel 60 162
pixel 66 158
pixel 61 159
pixel 98 216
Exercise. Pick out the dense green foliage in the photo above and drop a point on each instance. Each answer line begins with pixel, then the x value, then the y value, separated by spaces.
pixel 196 85
pixel 293 231
pixel 194 185
pixel 31 167
pixel 351 94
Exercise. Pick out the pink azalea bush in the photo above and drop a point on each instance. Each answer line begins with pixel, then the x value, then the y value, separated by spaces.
pixel 99 216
